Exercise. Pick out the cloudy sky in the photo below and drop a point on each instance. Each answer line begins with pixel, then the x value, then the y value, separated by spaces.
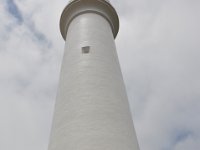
pixel 159 51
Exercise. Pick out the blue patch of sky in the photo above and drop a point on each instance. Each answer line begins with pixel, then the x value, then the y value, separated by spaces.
pixel 37 35
pixel 177 136
pixel 181 135
pixel 14 10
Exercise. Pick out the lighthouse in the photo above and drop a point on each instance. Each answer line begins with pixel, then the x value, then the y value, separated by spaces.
pixel 91 110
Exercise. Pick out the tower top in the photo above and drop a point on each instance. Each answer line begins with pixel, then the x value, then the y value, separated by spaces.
pixel 78 7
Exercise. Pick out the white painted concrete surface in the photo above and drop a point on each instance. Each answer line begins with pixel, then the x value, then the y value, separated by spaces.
pixel 92 111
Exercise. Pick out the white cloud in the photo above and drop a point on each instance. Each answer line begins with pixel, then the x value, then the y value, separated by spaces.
pixel 161 69
pixel 158 47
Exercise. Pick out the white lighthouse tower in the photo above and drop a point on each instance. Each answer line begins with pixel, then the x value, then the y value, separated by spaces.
pixel 92 111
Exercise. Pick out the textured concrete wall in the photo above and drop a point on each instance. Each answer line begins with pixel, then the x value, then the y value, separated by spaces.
pixel 92 111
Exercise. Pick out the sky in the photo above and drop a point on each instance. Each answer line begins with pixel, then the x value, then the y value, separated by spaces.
pixel 159 52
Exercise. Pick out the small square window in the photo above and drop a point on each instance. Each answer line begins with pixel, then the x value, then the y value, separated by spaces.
pixel 85 49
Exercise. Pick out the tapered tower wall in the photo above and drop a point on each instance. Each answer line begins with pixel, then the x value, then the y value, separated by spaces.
pixel 92 111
